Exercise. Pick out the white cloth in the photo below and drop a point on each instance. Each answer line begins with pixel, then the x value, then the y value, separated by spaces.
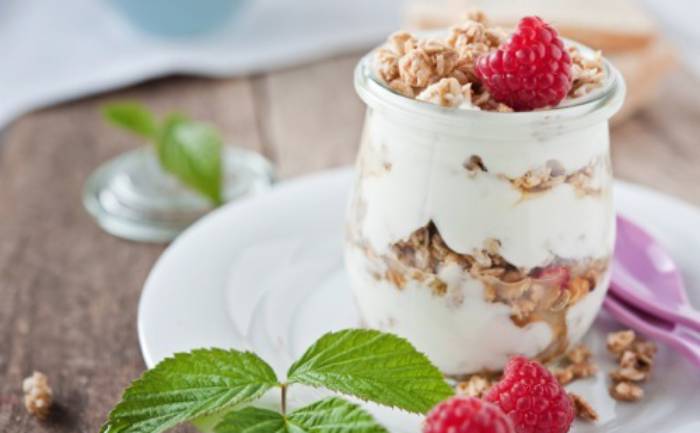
pixel 52 51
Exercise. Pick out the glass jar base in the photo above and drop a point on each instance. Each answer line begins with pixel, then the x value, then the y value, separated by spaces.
pixel 131 197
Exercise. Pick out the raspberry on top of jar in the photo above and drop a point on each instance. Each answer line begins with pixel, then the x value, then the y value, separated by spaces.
pixel 480 67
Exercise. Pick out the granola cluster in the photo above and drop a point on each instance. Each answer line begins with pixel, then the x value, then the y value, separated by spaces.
pixel 583 409
pixel 476 385
pixel 38 396
pixel 635 358
pixel 587 74
pixel 424 253
pixel 576 364
pixel 550 175
pixel 441 71
pixel 532 294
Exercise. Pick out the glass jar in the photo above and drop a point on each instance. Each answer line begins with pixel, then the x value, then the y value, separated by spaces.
pixel 478 235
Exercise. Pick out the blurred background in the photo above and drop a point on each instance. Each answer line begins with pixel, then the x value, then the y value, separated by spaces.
pixel 273 76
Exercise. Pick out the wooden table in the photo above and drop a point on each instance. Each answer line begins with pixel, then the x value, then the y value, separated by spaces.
pixel 69 292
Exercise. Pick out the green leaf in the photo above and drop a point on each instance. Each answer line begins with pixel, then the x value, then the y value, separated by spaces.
pixel 252 420
pixel 133 117
pixel 332 415
pixel 187 386
pixel 191 151
pixel 374 366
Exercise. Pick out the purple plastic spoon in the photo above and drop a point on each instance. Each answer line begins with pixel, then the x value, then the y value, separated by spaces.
pixel 683 340
pixel 645 276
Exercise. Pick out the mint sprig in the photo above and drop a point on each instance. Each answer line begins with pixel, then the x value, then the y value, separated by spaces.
pixel 331 415
pixel 189 150
pixel 374 366
pixel 370 365
pixel 187 386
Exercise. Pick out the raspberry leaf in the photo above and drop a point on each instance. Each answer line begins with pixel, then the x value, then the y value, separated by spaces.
pixel 253 420
pixel 332 415
pixel 187 386
pixel 373 366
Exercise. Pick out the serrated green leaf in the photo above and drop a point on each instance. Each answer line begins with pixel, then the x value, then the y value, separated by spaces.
pixel 191 151
pixel 133 117
pixel 332 415
pixel 374 366
pixel 252 420
pixel 188 386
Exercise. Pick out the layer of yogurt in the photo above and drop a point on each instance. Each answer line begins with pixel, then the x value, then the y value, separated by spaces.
pixel 416 177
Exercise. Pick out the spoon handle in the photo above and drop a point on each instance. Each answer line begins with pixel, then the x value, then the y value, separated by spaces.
pixel 689 317
pixel 685 315
pixel 684 343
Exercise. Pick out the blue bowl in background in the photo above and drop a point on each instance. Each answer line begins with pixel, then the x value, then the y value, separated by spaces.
pixel 179 17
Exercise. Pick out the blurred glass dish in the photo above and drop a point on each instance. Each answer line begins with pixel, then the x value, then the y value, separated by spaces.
pixel 132 197
pixel 179 17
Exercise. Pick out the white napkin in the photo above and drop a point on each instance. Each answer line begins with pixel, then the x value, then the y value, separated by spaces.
pixel 52 51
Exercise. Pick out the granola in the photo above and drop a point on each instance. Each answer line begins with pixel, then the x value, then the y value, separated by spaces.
pixel 626 391
pixel 583 409
pixel 448 92
pixel 530 293
pixel 619 342
pixel 585 180
pixel 635 358
pixel 576 364
pixel 38 396
pixel 587 74
pixel 553 173
pixel 410 65
pixel 476 385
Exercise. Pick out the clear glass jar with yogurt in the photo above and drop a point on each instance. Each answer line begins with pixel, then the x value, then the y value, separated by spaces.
pixel 478 234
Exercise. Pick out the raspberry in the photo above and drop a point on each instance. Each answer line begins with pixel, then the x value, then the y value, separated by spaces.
pixel 531 396
pixel 557 276
pixel 531 70
pixel 467 415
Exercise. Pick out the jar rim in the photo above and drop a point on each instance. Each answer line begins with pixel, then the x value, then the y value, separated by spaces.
pixel 598 105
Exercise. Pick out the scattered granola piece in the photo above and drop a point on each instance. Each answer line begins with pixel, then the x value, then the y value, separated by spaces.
pixel 646 349
pixel 618 342
pixel 584 370
pixel 635 358
pixel 476 386
pixel 577 365
pixel 579 354
pixel 628 374
pixel 37 395
pixel 626 391
pixel 564 375
pixel 583 409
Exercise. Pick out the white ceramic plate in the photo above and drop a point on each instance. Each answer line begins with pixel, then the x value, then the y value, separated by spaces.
pixel 266 274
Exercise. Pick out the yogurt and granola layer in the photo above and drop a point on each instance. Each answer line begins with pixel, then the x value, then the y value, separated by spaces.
pixel 479 240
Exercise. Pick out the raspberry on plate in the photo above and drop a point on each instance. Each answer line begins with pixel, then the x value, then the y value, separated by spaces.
pixel 531 70
pixel 533 398
pixel 467 415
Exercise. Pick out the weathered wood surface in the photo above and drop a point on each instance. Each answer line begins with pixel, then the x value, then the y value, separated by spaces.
pixel 69 292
